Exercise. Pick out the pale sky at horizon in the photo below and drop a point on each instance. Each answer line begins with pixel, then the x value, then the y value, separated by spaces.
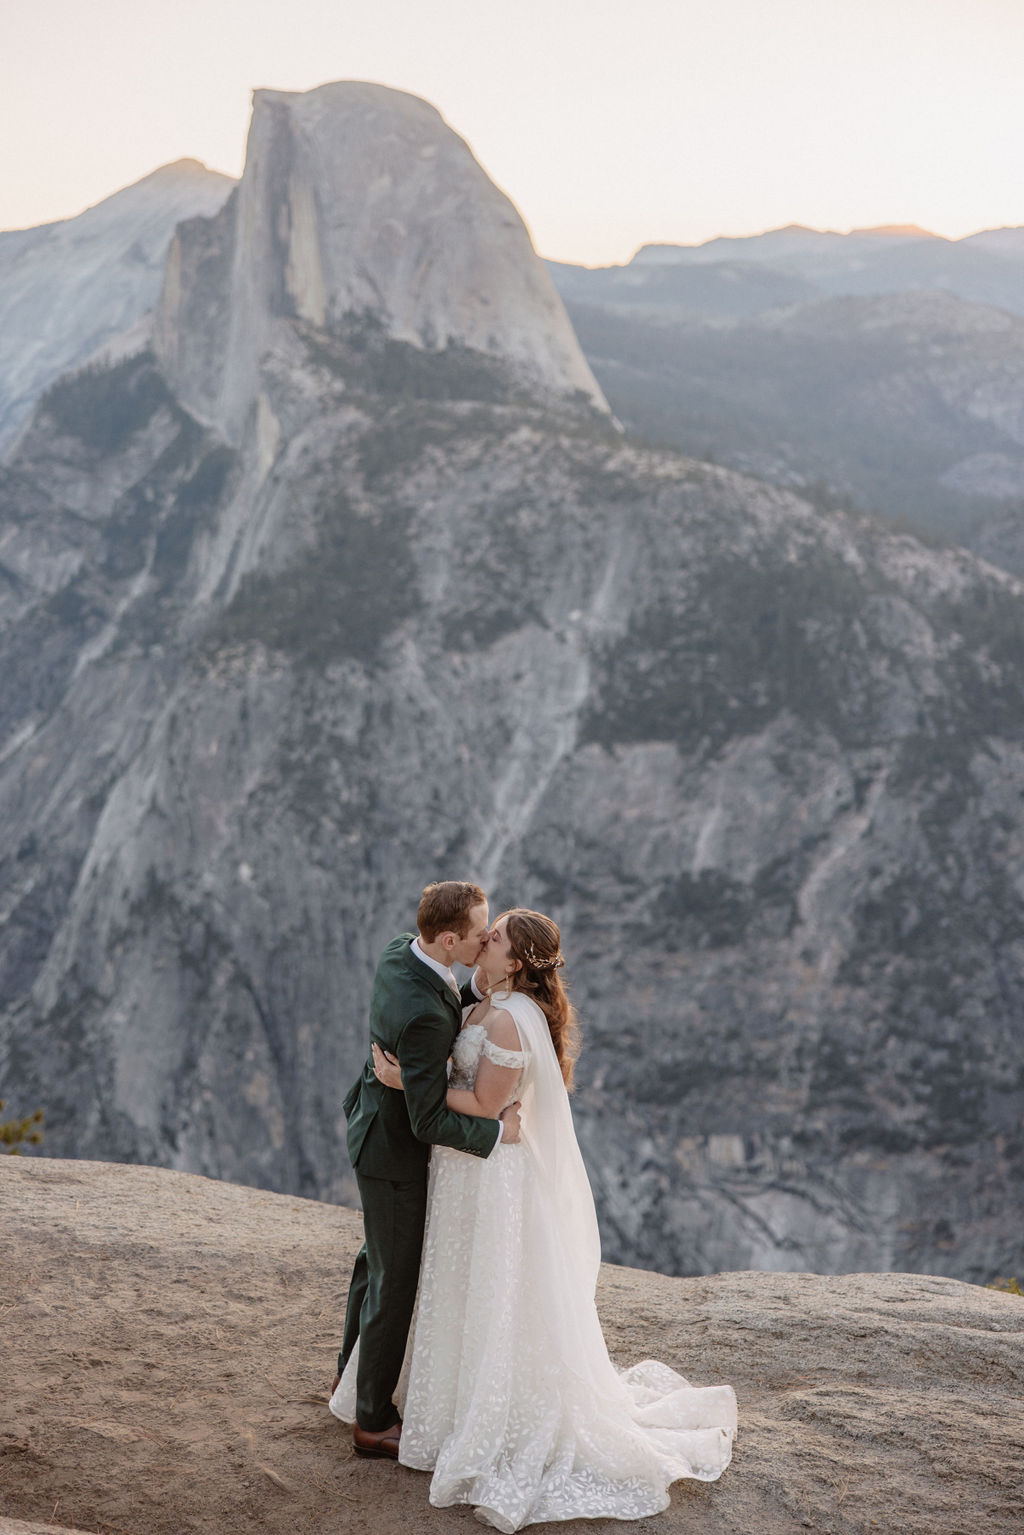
pixel 610 125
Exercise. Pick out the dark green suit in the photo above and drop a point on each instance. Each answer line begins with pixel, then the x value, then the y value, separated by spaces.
pixel 416 1015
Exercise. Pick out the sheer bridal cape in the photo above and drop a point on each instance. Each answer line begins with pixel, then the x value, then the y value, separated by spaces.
pixel 507 1394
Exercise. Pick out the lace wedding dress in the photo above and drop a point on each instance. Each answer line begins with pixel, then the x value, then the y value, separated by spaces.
pixel 507 1393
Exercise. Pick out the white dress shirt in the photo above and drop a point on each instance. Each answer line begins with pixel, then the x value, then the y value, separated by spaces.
pixel 444 971
pixel 447 974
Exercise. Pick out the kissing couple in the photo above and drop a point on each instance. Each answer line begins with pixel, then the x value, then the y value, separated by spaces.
pixel 472 1346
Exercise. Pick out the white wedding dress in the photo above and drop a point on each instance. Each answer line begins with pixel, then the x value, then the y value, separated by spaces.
pixel 507 1393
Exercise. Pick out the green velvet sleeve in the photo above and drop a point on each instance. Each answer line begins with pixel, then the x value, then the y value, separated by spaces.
pixel 423 1053
pixel 469 996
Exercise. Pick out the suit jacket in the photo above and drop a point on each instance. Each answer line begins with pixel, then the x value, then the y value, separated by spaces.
pixel 416 1015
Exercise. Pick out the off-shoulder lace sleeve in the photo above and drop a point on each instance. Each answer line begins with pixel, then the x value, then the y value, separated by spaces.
pixel 502 1057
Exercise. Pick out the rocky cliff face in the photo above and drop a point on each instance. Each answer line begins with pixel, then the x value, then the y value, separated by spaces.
pixel 908 403
pixel 68 288
pixel 359 206
pixel 765 766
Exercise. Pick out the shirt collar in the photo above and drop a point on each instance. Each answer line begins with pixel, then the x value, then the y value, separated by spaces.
pixel 442 970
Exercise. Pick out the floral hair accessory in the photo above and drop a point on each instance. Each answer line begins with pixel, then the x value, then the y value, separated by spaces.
pixel 539 963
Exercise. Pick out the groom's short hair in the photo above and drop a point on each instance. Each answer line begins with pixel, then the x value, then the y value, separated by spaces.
pixel 445 908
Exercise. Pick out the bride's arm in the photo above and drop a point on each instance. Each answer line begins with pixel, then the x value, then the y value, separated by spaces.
pixel 494 1084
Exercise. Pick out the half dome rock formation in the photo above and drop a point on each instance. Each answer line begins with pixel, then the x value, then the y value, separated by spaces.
pixel 67 288
pixel 169 1346
pixel 358 205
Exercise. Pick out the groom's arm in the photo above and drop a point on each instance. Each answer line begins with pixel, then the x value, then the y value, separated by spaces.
pixel 423 1052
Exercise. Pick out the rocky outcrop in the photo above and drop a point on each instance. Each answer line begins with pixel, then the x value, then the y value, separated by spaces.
pixel 359 207
pixel 764 765
pixel 764 769
pixel 68 288
pixel 156 1322
pixel 33 1527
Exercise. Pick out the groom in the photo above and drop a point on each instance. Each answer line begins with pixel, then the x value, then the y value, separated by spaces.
pixel 415 1013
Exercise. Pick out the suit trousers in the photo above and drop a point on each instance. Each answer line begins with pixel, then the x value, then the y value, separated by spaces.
pixel 382 1292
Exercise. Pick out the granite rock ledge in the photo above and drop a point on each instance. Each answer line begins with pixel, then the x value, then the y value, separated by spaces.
pixel 157 1321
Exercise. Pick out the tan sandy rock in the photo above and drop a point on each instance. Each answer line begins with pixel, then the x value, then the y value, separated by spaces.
pixel 26 1527
pixel 169 1342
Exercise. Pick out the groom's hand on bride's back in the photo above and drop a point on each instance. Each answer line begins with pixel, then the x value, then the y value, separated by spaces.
pixel 510 1125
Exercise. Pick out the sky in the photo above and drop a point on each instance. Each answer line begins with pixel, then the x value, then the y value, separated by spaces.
pixel 610 123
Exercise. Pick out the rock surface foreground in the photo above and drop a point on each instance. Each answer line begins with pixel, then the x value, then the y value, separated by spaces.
pixel 168 1343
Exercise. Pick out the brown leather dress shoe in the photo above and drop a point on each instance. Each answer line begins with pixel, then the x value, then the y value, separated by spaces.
pixel 383 1444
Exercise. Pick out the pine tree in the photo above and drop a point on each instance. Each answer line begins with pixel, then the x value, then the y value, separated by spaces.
pixel 16 1132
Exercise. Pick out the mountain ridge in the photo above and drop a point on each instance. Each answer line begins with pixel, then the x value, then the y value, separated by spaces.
pixel 809 235
pixel 70 287
pixel 388 613
pixel 284 746
pixel 905 403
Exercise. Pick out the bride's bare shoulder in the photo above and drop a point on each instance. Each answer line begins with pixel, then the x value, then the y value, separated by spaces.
pixel 501 1029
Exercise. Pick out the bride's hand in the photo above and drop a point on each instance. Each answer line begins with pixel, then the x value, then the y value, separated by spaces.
pixel 386 1068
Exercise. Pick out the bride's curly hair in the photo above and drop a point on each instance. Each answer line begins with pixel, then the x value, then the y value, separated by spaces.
pixel 534 940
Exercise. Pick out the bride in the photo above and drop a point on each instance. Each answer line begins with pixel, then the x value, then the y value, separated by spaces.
pixel 507 1393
